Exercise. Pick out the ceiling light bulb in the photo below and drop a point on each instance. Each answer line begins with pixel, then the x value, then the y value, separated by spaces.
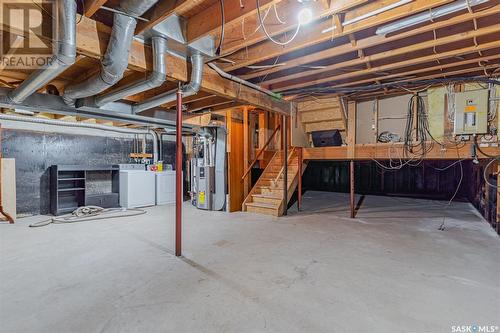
pixel 305 16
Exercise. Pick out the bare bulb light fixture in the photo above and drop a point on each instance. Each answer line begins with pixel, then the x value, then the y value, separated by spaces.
pixel 305 16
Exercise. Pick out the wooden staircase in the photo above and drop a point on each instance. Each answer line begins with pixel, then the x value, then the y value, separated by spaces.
pixel 266 197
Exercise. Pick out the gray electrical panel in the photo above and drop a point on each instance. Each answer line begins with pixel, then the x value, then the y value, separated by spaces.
pixel 471 112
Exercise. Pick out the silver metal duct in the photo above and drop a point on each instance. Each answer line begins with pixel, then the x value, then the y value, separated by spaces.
pixel 243 82
pixel 155 79
pixel 64 57
pixel 115 60
pixel 188 90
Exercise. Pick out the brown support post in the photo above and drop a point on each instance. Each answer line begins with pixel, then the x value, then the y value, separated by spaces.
pixel 299 199
pixel 178 177
pixel 351 129
pixel 351 169
pixel 246 150
pixel 498 197
pixel 285 165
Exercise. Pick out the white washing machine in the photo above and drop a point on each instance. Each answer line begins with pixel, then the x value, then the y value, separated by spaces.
pixel 165 187
pixel 137 188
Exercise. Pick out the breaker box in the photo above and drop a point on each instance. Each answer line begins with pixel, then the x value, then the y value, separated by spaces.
pixel 471 112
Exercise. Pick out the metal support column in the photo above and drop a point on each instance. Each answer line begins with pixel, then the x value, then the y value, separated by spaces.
pixel 299 190
pixel 285 165
pixel 351 177
pixel 178 177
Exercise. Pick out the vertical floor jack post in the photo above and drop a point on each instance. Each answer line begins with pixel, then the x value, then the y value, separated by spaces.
pixel 178 177
pixel 285 166
pixel 351 169
pixel 299 190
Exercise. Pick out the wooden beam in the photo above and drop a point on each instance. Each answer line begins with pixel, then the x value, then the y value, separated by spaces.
pixel 371 41
pixel 92 6
pixel 313 35
pixel 384 151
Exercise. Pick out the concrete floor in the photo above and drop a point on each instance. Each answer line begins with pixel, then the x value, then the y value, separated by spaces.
pixel 388 270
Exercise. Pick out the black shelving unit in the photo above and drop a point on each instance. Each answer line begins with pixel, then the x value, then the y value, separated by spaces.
pixel 68 188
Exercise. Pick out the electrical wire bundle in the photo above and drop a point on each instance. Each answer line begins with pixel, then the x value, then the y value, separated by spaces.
pixel 90 213
pixel 417 127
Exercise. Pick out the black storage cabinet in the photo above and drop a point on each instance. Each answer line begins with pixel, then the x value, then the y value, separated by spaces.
pixel 68 184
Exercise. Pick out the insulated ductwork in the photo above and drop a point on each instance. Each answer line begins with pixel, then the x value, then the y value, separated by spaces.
pixel 155 79
pixel 64 57
pixel 62 123
pixel 115 59
pixel 188 90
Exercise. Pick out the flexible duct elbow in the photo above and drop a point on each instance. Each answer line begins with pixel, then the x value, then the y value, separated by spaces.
pixel 115 60
pixel 65 55
pixel 155 79
pixel 188 90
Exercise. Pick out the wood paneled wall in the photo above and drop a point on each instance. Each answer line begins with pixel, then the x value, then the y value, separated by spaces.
pixel 322 114
pixel 236 168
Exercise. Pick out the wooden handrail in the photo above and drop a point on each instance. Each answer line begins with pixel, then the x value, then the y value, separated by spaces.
pixel 283 168
pixel 260 152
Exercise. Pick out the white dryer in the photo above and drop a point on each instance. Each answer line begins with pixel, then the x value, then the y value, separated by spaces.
pixel 137 188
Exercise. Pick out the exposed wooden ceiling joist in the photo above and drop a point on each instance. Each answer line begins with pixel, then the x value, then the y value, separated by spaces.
pixel 419 71
pixel 248 31
pixel 372 41
pixel 92 6
pixel 300 80
pixel 313 35
pixel 209 20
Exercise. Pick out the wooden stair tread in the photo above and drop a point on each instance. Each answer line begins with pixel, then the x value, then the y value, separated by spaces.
pixel 266 196
pixel 261 205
